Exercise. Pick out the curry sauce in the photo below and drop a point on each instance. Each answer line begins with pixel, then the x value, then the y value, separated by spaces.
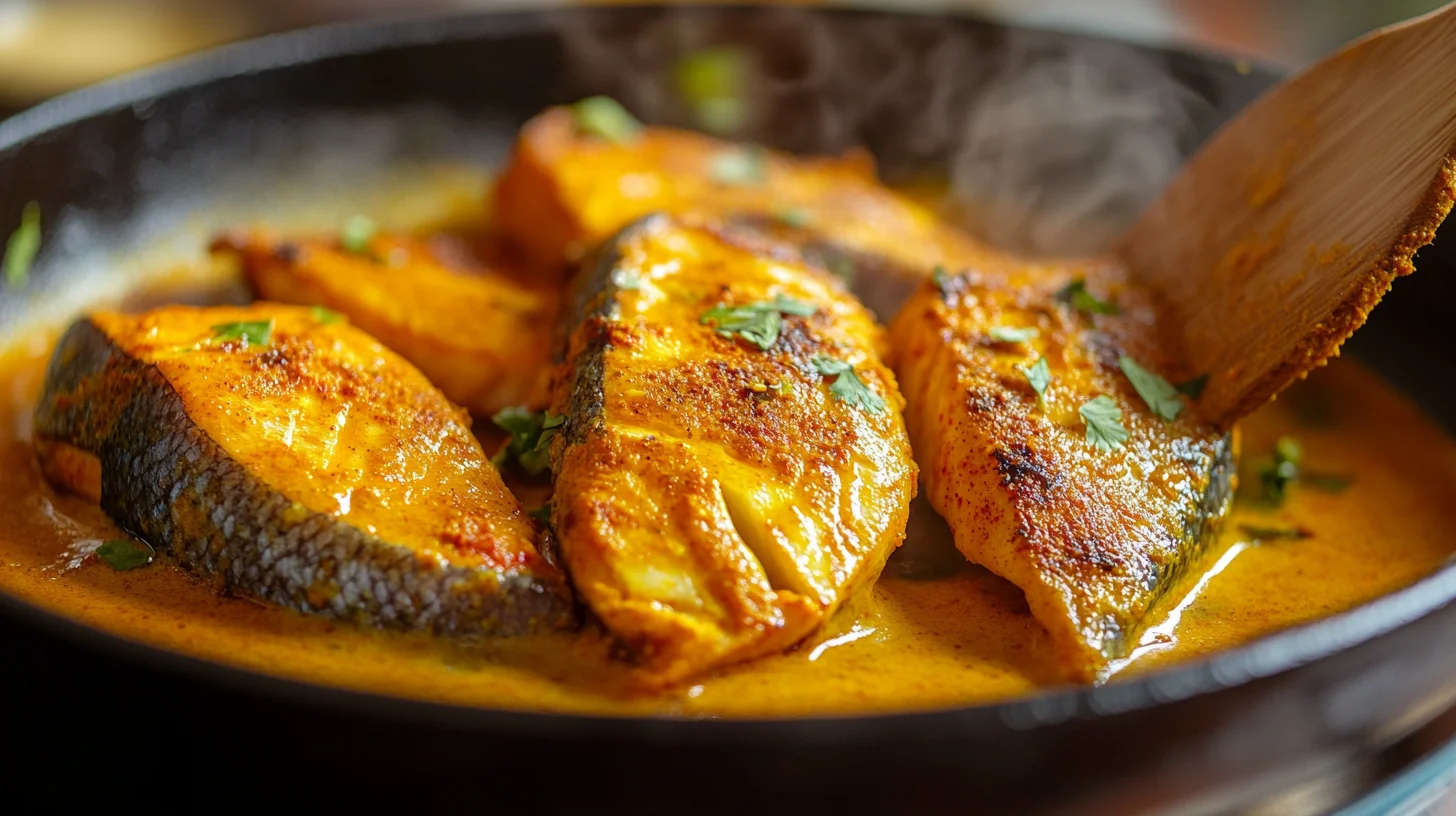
pixel 939 640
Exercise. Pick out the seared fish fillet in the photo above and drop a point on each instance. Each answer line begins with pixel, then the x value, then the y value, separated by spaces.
pixel 563 192
pixel 717 496
pixel 298 461
pixel 1092 536
pixel 479 335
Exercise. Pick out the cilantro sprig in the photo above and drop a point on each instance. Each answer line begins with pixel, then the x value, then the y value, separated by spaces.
pixel 1075 294
pixel 1039 374
pixel 846 386
pixel 758 323
pixel 1158 393
pixel 1104 423
pixel 740 166
pixel 123 554
pixel 604 117
pixel 711 82
pixel 530 443
pixel 23 246
pixel 357 233
pixel 1285 467
pixel 1012 335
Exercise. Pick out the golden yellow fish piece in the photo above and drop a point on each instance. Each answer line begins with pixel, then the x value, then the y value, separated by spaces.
pixel 480 334
pixel 1093 536
pixel 295 460
pixel 563 192
pixel 718 494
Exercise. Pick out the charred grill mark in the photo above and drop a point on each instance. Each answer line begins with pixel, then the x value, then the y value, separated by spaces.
pixel 1020 466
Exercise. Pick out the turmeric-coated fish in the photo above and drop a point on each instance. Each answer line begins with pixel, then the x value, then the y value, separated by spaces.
pixel 479 334
pixel 1060 456
pixel 733 465
pixel 296 460
pixel 565 189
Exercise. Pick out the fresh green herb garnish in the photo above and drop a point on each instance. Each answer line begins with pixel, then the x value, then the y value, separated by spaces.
pixel 745 166
pixel 542 514
pixel 124 554
pixel 1281 470
pixel 1075 294
pixel 250 332
pixel 1104 423
pixel 796 217
pixel 1194 387
pixel 605 117
pixel 358 231
pixel 531 434
pixel 1285 467
pixel 23 246
pixel 1157 392
pixel 626 279
pixel 842 267
pixel 1272 533
pixel 1040 376
pixel 847 387
pixel 325 317
pixel 758 323
pixel 941 277
pixel 711 82
pixel 1012 334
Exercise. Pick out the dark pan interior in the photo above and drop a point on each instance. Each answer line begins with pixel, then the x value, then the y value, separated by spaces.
pixel 167 156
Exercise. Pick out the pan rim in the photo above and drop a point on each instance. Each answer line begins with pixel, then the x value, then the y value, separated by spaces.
pixel 1277 653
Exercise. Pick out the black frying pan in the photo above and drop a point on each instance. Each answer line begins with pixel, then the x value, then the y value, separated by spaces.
pixel 1307 719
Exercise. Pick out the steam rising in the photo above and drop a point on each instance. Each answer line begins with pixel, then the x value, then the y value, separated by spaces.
pixel 1052 144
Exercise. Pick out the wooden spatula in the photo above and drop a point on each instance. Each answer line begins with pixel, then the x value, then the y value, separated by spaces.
pixel 1282 233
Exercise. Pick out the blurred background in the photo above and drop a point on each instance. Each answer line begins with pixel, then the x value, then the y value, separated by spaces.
pixel 51 46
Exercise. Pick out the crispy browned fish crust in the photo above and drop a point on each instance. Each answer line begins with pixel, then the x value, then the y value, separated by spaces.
pixel 714 501
pixel 319 470
pixel 1093 537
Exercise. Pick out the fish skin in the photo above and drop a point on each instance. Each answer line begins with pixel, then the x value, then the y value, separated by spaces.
pixel 1096 539
pixel 167 481
pixel 705 523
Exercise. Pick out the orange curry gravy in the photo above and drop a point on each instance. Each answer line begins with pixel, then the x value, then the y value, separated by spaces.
pixel 914 644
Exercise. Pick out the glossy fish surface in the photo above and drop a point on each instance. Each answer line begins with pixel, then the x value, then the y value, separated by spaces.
pixel 1085 497
pixel 480 335
pixel 722 486
pixel 294 459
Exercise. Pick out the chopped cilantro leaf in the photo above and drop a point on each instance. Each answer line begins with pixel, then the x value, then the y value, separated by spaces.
pixel 250 332
pixel 1075 294
pixel 711 83
pixel 325 317
pixel 1157 392
pixel 1326 482
pixel 357 233
pixel 1012 334
pixel 123 554
pixel 23 246
pixel 531 433
pixel 796 217
pixel 758 323
pixel 847 387
pixel 1281 470
pixel 1040 376
pixel 745 166
pixel 1104 423
pixel 1194 387
pixel 605 117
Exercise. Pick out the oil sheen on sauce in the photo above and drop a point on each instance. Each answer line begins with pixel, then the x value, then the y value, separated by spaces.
pixel 960 638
